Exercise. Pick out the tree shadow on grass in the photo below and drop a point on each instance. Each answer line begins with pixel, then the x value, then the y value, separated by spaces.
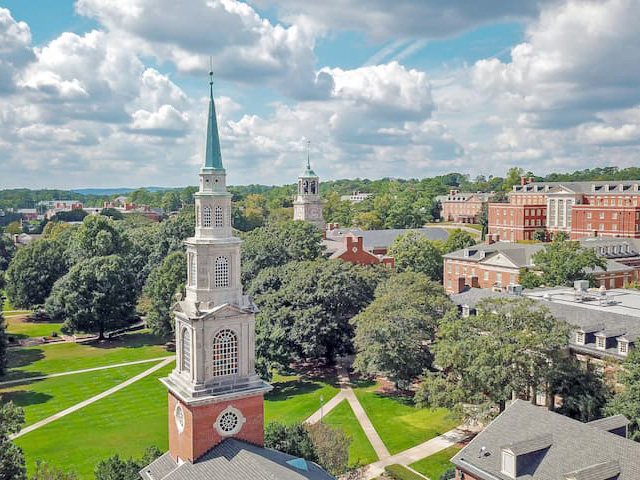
pixel 21 357
pixel 129 340
pixel 24 398
pixel 285 390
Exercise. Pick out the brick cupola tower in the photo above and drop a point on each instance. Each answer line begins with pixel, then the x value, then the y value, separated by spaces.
pixel 307 205
pixel 214 392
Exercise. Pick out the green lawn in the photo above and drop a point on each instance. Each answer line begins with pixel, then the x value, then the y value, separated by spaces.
pixel 360 451
pixel 43 398
pixel 294 399
pixel 436 464
pixel 65 357
pixel 126 423
pixel 400 424
pixel 17 327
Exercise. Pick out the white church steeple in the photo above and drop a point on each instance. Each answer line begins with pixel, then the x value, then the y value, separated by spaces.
pixel 214 391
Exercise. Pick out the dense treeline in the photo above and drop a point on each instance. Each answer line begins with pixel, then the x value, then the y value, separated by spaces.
pixel 397 203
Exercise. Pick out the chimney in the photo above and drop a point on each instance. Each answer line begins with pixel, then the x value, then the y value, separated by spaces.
pixel 523 181
pixel 354 243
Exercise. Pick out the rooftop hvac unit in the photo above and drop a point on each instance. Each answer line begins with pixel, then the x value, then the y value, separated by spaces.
pixel 514 289
pixel 581 285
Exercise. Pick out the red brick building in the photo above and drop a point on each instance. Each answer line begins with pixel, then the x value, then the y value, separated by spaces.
pixel 370 247
pixel 462 207
pixel 497 265
pixel 353 251
pixel 581 209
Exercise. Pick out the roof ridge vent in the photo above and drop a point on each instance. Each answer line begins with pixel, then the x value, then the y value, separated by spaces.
pixel 599 471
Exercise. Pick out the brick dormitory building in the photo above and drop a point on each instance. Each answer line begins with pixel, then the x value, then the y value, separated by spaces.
pixel 498 264
pixel 462 207
pixel 581 209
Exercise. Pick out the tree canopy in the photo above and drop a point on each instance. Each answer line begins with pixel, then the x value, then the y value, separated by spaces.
pixel 459 239
pixel 12 465
pixel 395 332
pixel 33 271
pixel 98 236
pixel 163 283
pixel 564 261
pixel 278 244
pixel 305 308
pixel 510 346
pixel 627 401
pixel 95 296
pixel 413 252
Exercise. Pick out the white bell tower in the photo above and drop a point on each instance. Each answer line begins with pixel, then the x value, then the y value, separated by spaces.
pixel 307 205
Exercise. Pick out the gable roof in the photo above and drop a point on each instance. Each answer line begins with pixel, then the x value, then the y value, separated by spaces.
pixel 576 448
pixel 234 459
pixel 384 238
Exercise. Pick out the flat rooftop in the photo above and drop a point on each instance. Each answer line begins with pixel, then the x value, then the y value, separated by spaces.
pixel 618 300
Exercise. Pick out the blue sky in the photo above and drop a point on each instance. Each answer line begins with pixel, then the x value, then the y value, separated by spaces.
pixel 107 93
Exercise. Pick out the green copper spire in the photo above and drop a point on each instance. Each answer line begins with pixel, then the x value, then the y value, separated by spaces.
pixel 308 172
pixel 212 158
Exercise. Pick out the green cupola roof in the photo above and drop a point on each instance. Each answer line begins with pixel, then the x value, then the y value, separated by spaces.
pixel 212 157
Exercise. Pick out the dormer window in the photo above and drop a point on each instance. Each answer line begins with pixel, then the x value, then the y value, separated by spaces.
pixel 465 311
pixel 623 347
pixel 580 338
pixel 508 464
pixel 601 342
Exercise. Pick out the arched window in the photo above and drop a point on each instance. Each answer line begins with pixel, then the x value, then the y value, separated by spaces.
pixel 193 269
pixel 218 217
pixel 222 272
pixel 305 186
pixel 186 350
pixel 197 216
pixel 313 188
pixel 206 221
pixel 225 353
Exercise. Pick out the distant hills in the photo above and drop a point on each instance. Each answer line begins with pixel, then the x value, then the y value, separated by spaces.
pixel 113 191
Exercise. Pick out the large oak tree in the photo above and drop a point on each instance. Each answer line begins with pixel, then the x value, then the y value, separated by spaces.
pixel 96 295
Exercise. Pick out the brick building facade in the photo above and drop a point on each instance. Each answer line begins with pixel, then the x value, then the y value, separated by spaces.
pixel 498 264
pixel 581 209
pixel 462 207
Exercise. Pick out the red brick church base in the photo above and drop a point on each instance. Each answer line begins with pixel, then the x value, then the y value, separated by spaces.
pixel 200 435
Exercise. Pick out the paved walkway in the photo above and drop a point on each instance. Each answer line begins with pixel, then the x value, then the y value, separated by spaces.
pixel 369 430
pixel 346 392
pixel 418 452
pixel 321 412
pixel 93 399
pixel 62 374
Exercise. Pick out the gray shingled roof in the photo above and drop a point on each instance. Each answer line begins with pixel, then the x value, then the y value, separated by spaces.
pixel 610 423
pixel 234 460
pixel 577 448
pixel 384 238
pixel 518 253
